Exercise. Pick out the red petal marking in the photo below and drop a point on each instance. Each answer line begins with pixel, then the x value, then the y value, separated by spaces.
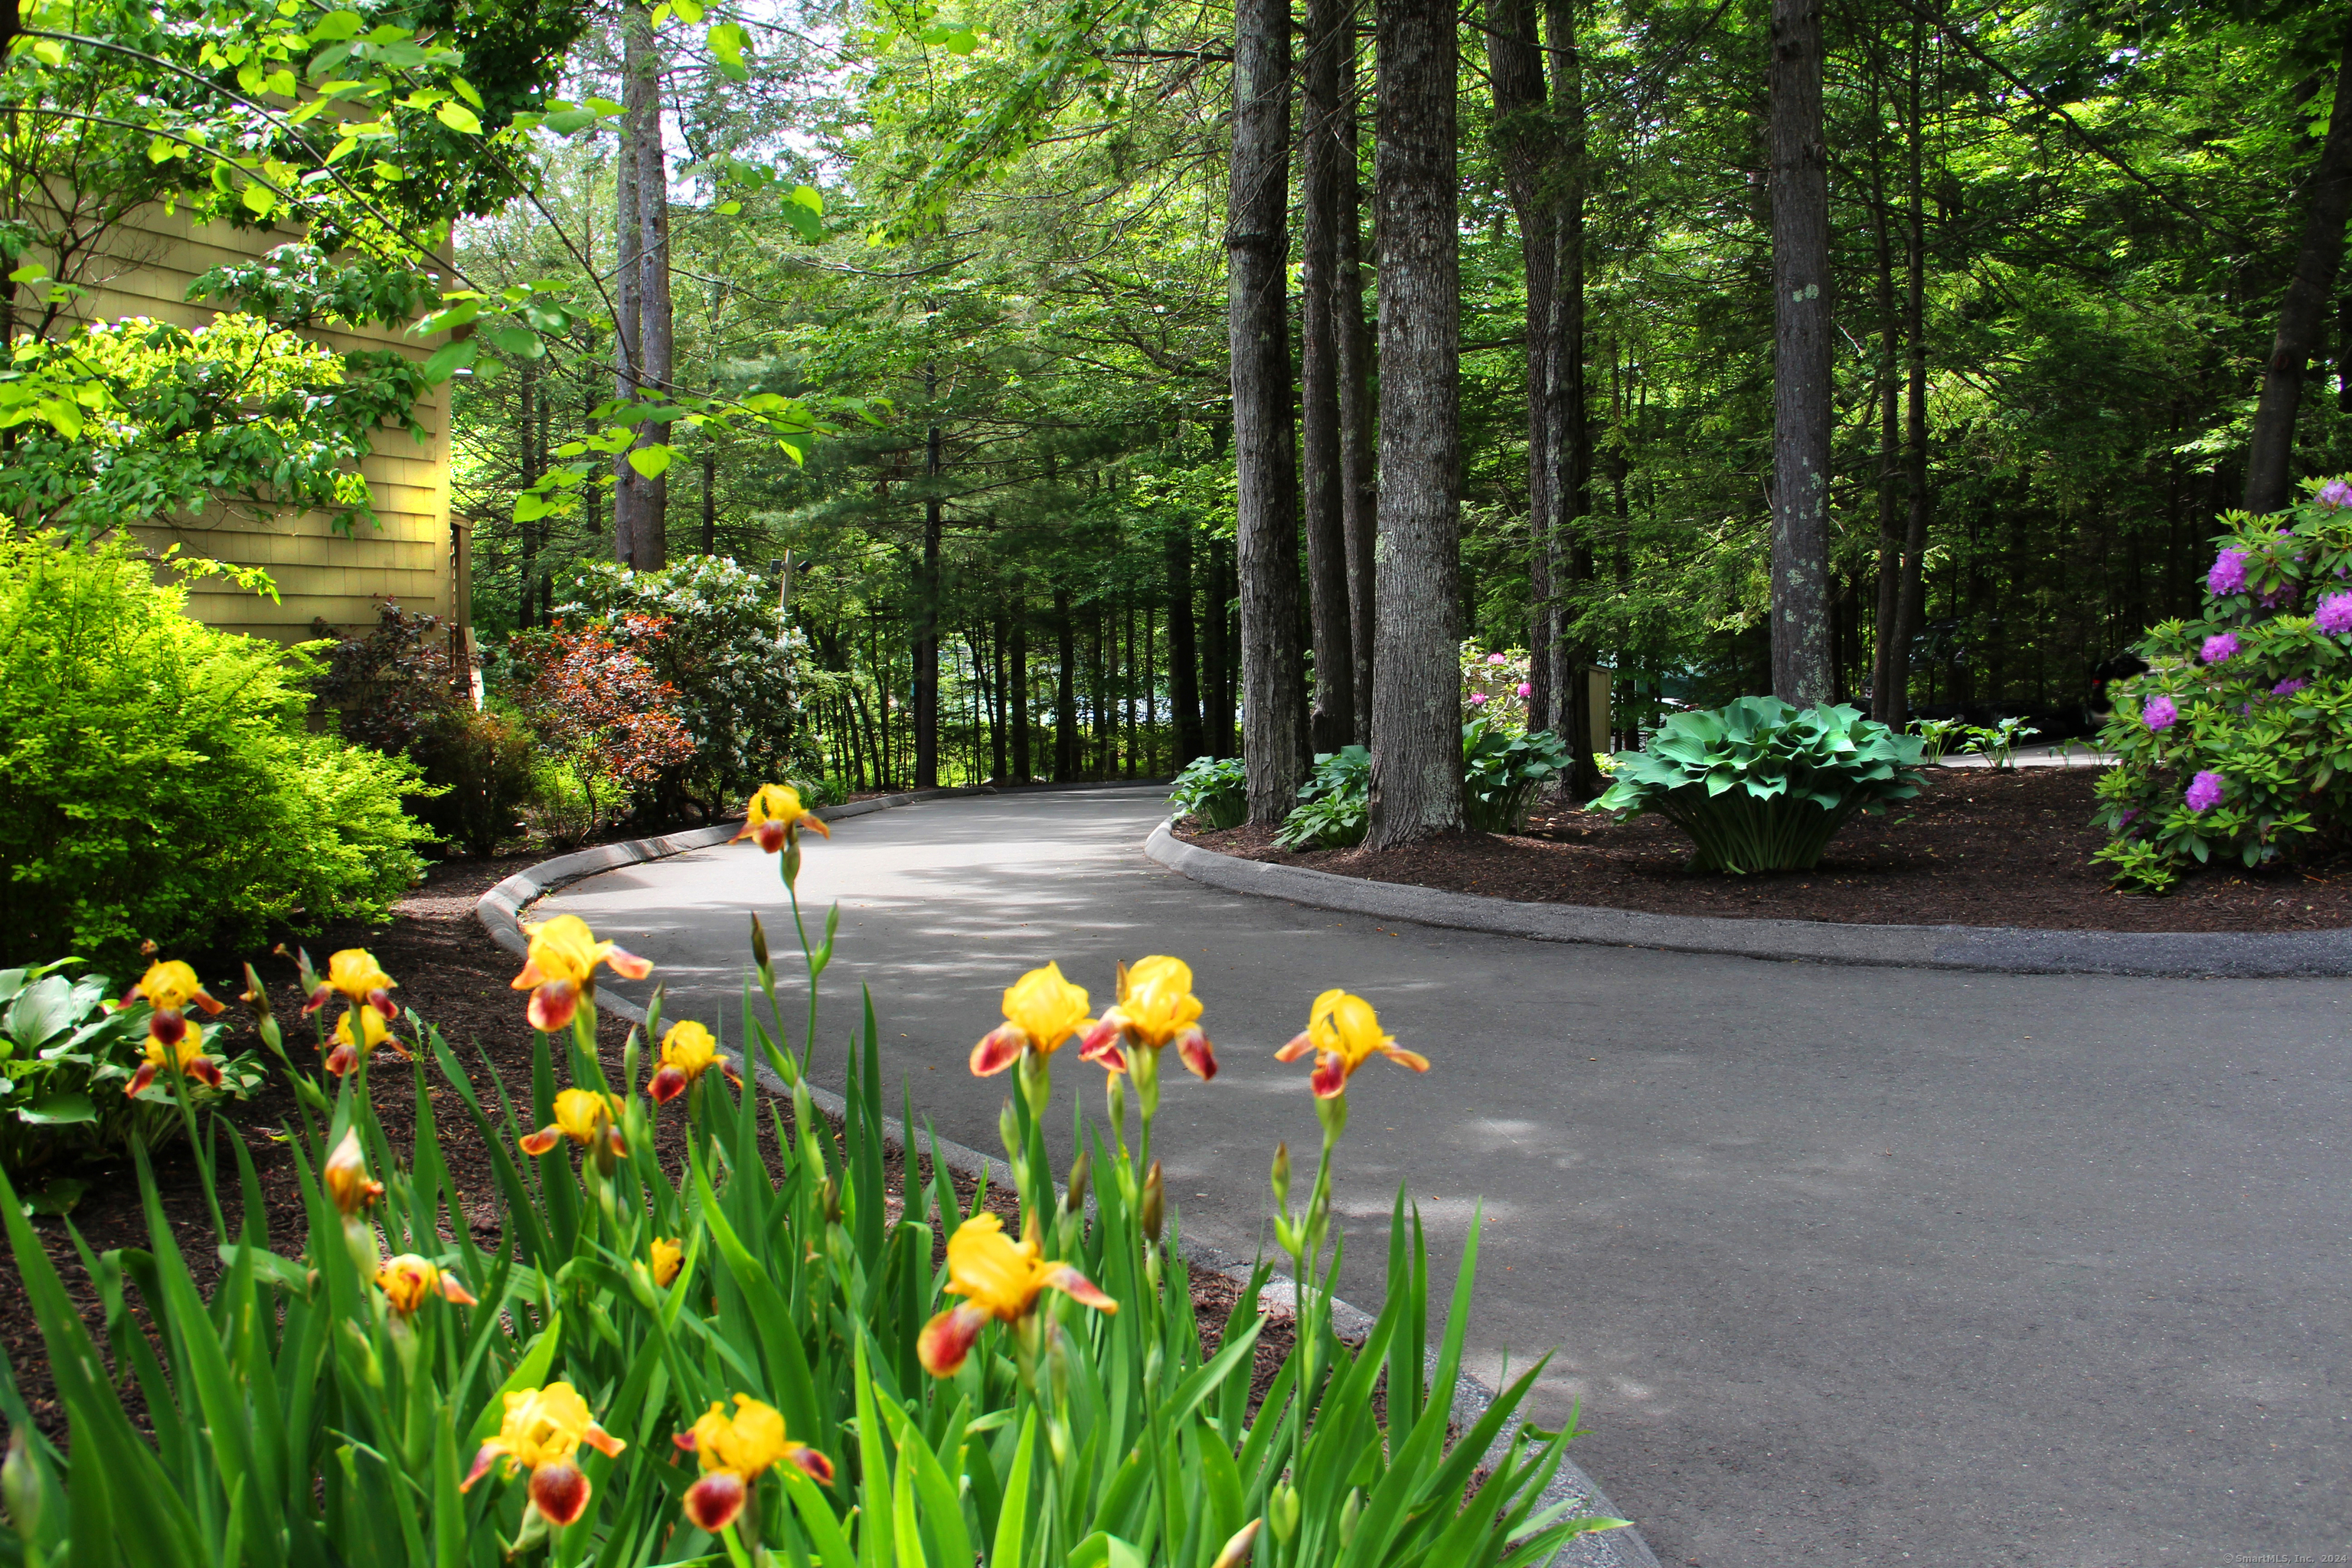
pixel 453 1292
pixel 629 966
pixel 541 1142
pixel 816 826
pixel 553 1005
pixel 205 1000
pixel 1106 1056
pixel 168 1027
pixel 810 1463
pixel 140 1080
pixel 342 1059
pixel 685 1441
pixel 398 1049
pixel 1078 1287
pixel 560 1491
pixel 998 1049
pixel 1404 1058
pixel 713 1502
pixel 317 1000
pixel 380 1000
pixel 619 1145
pixel 947 1339
pixel 1193 1047
pixel 1329 1079
pixel 603 1442
pixel 205 1070
pixel 770 837
pixel 1103 1037
pixel 666 1086
pixel 1299 1045
pixel 742 834
pixel 484 1459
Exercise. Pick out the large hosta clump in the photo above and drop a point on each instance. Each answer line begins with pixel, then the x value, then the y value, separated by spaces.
pixel 1761 785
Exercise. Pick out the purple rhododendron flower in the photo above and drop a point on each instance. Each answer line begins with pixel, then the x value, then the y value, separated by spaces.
pixel 2334 615
pixel 2229 573
pixel 2336 493
pixel 2219 648
pixel 1477 700
pixel 2284 594
pixel 1497 658
pixel 2159 713
pixel 2204 791
pixel 2289 688
pixel 1525 690
pixel 2126 814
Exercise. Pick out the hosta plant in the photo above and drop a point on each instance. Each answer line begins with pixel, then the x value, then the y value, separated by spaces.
pixel 1334 806
pixel 2236 743
pixel 1761 785
pixel 744 1358
pixel 1501 772
pixel 1213 792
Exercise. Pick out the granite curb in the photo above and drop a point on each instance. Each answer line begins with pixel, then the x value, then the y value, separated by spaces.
pixel 2005 950
pixel 500 910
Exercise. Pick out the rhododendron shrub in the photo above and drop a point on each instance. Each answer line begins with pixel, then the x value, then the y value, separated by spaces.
pixel 2237 742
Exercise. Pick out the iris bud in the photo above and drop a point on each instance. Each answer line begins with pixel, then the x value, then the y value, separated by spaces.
pixel 1155 1202
pixel 1282 1512
pixel 1081 1168
pixel 760 948
pixel 1282 1174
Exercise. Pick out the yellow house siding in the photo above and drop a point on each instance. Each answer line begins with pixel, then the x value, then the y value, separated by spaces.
pixel 144 268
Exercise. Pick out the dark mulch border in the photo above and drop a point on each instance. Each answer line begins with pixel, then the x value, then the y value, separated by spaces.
pixel 1976 848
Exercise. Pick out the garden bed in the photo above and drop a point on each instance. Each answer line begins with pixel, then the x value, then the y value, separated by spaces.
pixel 1976 848
pixel 456 976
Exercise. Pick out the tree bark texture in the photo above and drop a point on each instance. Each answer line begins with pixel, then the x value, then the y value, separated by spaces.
pixel 1568 437
pixel 1265 531
pixel 1019 689
pixel 1800 358
pixel 1416 787
pixel 649 530
pixel 1183 657
pixel 1066 755
pixel 2303 315
pixel 1332 713
pixel 1524 137
pixel 1359 493
pixel 628 283
pixel 1918 502
pixel 1217 654
pixel 1888 396
pixel 926 611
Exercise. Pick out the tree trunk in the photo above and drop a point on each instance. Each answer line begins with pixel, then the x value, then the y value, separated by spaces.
pixel 1332 722
pixel 1266 535
pixel 1417 785
pixel 1525 141
pixel 1884 699
pixel 526 566
pixel 927 610
pixel 1218 719
pixel 1567 439
pixel 1128 683
pixel 649 532
pixel 1800 358
pixel 628 286
pixel 1358 486
pixel 1001 709
pixel 1019 690
pixel 1918 502
pixel 709 498
pixel 1183 659
pixel 1066 691
pixel 2303 316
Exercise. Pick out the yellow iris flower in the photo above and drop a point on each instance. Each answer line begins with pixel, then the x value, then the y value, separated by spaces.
pixel 579 1114
pixel 667 1257
pixel 561 968
pixel 688 1051
pixel 999 1280
pixel 354 975
pixel 542 1431
pixel 735 1451
pixel 775 817
pixel 1156 1009
pixel 349 1053
pixel 176 1044
pixel 169 987
pixel 1041 1011
pixel 345 1175
pixel 408 1281
pixel 1344 1033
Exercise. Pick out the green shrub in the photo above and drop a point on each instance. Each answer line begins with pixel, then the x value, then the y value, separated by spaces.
pixel 158 779
pixel 1212 790
pixel 331 1407
pixel 1761 785
pixel 66 1057
pixel 1334 809
pixel 1997 743
pixel 482 763
pixel 2237 741
pixel 1501 772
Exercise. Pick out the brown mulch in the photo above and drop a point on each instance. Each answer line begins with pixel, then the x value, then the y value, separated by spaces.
pixel 456 976
pixel 1974 847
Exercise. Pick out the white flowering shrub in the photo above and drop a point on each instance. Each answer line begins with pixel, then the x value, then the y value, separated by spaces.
pixel 736 669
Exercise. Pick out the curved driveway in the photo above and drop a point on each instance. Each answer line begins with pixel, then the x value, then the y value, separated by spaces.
pixel 1845 1266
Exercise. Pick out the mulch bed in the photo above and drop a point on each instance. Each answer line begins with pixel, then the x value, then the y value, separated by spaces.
pixel 455 976
pixel 1974 847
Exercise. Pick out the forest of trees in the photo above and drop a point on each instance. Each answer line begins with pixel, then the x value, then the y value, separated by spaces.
pixel 1198 378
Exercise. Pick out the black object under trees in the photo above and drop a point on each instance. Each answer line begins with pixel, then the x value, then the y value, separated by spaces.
pixel 1801 388
pixel 1018 657
pixel 1524 139
pixel 1257 253
pixel 1417 785
pixel 1359 496
pixel 1332 715
pixel 2303 315
pixel 927 607
pixel 1066 755
pixel 1183 657
pixel 1567 432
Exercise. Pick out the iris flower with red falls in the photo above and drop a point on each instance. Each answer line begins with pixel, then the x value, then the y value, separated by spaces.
pixel 346 1177
pixel 349 1053
pixel 543 1430
pixel 1041 1011
pixel 999 1280
pixel 775 817
pixel 580 1115
pixel 735 1451
pixel 408 1281
pixel 356 975
pixel 1344 1033
pixel 1156 1009
pixel 561 969
pixel 174 1042
pixel 169 987
pixel 688 1051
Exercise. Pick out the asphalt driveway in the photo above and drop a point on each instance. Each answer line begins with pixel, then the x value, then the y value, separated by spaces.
pixel 1843 1265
